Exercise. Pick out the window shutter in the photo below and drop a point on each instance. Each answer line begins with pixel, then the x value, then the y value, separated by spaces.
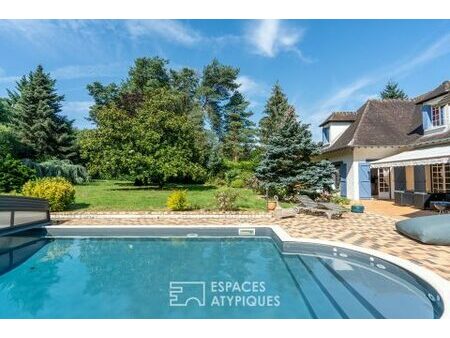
pixel 426 116
pixel 343 177
pixel 419 178
pixel 400 178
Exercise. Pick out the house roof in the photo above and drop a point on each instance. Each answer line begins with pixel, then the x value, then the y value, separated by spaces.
pixel 340 116
pixel 382 123
pixel 438 91
pixel 433 138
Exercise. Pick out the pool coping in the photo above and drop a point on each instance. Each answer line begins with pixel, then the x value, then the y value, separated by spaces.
pixel 441 285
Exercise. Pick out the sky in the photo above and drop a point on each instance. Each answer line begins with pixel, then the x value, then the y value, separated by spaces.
pixel 322 65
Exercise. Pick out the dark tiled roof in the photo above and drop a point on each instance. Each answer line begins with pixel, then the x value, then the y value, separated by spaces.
pixel 438 91
pixel 340 116
pixel 433 138
pixel 382 123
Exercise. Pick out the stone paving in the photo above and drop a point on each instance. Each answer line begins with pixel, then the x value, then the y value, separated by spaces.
pixel 366 230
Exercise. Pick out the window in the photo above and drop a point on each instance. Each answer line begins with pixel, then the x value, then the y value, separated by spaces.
pixel 337 177
pixel 383 180
pixel 326 135
pixel 440 177
pixel 437 116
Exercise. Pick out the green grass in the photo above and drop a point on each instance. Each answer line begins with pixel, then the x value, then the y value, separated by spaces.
pixel 122 195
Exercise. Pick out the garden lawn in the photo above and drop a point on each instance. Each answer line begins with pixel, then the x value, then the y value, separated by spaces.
pixel 122 195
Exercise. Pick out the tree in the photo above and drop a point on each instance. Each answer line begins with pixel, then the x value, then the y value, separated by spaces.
pixel 217 85
pixel 36 119
pixel 186 82
pixel 238 128
pixel 13 173
pixel 276 108
pixel 102 95
pixel 5 111
pixel 157 144
pixel 287 166
pixel 392 91
pixel 145 75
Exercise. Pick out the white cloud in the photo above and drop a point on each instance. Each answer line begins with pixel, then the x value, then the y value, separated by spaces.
pixel 86 71
pixel 170 30
pixel 77 107
pixel 270 37
pixel 249 86
pixel 254 91
pixel 437 49
pixel 354 94
pixel 78 111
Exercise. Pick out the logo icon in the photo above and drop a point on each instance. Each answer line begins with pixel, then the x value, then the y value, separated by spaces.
pixel 183 293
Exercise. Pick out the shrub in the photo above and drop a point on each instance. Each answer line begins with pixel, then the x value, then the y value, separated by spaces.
pixel 237 183
pixel 178 200
pixel 226 199
pixel 340 200
pixel 13 173
pixel 74 173
pixel 59 192
pixel 238 175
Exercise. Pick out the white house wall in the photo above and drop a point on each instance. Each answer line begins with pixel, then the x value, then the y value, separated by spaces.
pixel 352 157
pixel 336 129
pixel 345 156
pixel 367 154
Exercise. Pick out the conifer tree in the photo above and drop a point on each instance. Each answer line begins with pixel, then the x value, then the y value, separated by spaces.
pixel 392 91
pixel 287 166
pixel 276 107
pixel 217 85
pixel 36 118
pixel 239 132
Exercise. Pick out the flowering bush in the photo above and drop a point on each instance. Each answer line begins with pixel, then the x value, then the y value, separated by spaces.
pixel 226 199
pixel 59 192
pixel 178 201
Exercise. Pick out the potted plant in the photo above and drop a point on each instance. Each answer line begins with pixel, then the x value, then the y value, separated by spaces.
pixel 272 203
pixel 357 208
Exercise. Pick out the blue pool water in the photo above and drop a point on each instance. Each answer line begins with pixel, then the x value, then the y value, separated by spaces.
pixel 198 278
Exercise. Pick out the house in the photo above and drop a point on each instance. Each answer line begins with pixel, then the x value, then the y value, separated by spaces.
pixel 392 149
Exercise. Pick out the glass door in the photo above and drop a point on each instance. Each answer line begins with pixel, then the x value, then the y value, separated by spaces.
pixel 384 186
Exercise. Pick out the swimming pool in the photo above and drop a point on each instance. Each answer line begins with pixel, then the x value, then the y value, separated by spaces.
pixel 185 273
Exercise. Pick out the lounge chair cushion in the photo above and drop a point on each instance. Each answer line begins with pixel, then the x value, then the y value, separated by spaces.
pixel 428 229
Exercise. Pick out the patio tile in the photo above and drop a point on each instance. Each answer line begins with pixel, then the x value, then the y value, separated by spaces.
pixel 365 230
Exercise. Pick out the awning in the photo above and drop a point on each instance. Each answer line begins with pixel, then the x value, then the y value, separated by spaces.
pixel 434 155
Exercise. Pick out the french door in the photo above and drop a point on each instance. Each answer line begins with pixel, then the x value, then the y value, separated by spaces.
pixel 384 184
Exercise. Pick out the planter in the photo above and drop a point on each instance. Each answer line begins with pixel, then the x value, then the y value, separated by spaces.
pixel 358 209
pixel 271 205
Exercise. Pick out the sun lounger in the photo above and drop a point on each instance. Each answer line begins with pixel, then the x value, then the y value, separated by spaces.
pixel 307 205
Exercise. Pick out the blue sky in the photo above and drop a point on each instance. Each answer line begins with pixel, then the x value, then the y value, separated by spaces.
pixel 323 65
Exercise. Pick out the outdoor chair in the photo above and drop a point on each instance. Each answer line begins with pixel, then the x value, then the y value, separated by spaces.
pixel 333 207
pixel 307 205
pixel 281 212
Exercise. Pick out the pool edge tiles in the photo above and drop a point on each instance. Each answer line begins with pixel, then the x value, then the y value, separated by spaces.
pixel 285 243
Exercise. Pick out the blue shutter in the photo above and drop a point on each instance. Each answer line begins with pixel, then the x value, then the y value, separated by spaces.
pixel 364 180
pixel 343 181
pixel 426 117
pixel 419 178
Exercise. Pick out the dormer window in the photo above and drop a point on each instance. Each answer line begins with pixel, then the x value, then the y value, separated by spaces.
pixel 434 117
pixel 326 135
pixel 437 116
